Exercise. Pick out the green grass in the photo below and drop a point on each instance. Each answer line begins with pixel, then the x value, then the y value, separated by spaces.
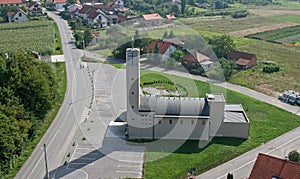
pixel 294 18
pixel 266 123
pixel 62 82
pixel 57 45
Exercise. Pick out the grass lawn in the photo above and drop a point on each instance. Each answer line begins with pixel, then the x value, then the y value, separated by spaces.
pixel 62 85
pixel 266 123
pixel 294 18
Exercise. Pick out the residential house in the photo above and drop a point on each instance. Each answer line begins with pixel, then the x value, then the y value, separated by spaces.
pixel 170 17
pixel 164 48
pixel 74 7
pixel 267 166
pixel 97 18
pixel 178 41
pixel 96 38
pixel 196 59
pixel 149 20
pixel 243 60
pixel 116 4
pixel 100 15
pixel 59 4
pixel 10 3
pixel 34 9
pixel 18 16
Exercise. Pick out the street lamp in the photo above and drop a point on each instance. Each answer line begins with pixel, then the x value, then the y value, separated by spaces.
pixel 83 45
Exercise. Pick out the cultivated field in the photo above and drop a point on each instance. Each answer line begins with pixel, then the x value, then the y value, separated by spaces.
pixel 278 34
pixel 39 36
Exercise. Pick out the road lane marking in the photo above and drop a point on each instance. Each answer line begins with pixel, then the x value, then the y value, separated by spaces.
pixel 128 172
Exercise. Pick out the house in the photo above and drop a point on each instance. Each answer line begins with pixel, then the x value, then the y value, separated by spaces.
pixel 170 17
pixel 99 15
pixel 59 4
pixel 97 18
pixel 34 9
pixel 177 41
pixel 243 60
pixel 179 118
pixel 18 16
pixel 196 59
pixel 73 7
pixel 267 166
pixel 116 4
pixel 164 48
pixel 10 3
pixel 96 38
pixel 149 20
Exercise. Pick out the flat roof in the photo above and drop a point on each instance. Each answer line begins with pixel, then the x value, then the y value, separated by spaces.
pixel 174 106
pixel 235 117
pixel 234 107
pixel 215 97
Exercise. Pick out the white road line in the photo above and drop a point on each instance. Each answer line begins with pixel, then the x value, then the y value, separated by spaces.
pixel 276 148
pixel 130 161
pixel 128 172
pixel 129 166
pixel 81 163
pixel 80 148
pixel 131 155
pixel 84 158
pixel 80 153
pixel 72 156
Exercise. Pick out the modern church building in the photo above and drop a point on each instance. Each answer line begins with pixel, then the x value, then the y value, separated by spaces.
pixel 155 117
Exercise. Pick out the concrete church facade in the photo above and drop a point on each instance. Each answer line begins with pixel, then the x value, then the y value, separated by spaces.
pixel 154 117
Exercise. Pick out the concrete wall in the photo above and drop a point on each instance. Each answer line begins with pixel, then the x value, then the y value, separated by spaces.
pixel 181 128
pixel 216 116
pixel 239 130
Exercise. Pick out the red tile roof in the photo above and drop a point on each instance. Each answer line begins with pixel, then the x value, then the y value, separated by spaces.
pixel 151 16
pixel 170 16
pixel 196 57
pixel 10 1
pixel 242 61
pixel 10 14
pixel 60 1
pixel 93 13
pixel 162 46
pixel 267 166
pixel 238 54
pixel 84 10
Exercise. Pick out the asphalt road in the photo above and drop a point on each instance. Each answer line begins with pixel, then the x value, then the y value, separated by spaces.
pixel 62 130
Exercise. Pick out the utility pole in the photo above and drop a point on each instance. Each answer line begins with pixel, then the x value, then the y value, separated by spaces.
pixel 83 45
pixel 46 162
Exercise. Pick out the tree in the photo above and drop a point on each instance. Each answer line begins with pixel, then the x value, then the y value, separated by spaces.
pixel 165 35
pixel 222 45
pixel 175 9
pixel 294 156
pixel 171 35
pixel 183 6
pixel 227 67
pixel 87 36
